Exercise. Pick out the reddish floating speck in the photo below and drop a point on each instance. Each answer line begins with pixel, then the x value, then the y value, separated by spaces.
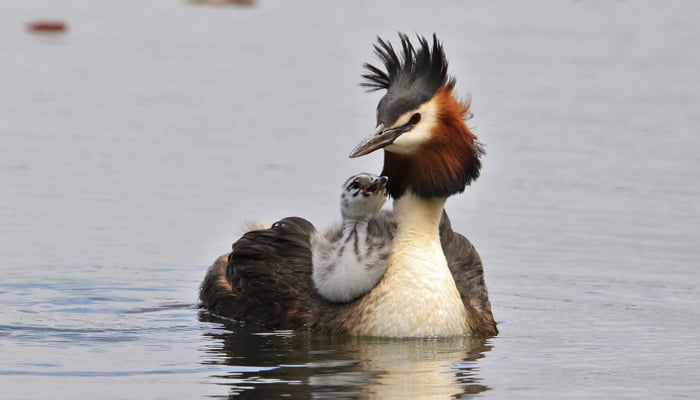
pixel 45 25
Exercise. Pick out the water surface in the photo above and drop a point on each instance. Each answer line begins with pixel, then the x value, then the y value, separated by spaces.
pixel 135 145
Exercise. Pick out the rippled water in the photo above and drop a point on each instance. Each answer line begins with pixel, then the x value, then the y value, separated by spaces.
pixel 135 145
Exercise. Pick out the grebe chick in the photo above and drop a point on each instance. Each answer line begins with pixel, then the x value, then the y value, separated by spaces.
pixel 349 259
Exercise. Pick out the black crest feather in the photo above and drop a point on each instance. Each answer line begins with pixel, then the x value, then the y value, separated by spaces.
pixel 424 67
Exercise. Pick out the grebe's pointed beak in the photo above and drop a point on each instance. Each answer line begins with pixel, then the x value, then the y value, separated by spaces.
pixel 379 139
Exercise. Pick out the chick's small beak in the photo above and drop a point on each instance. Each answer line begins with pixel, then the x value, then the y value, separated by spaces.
pixel 379 139
pixel 377 184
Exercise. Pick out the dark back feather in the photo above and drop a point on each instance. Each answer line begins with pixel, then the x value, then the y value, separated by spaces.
pixel 266 280
pixel 468 272
pixel 271 271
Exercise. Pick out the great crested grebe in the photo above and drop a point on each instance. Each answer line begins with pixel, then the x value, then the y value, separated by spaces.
pixel 349 258
pixel 434 282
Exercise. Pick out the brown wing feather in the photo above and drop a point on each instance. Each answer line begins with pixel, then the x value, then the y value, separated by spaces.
pixel 468 272
pixel 266 280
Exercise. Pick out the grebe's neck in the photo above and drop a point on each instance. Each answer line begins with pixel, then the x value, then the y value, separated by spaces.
pixel 417 297
pixel 417 214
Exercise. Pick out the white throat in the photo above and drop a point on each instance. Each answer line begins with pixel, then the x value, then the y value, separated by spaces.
pixel 417 297
pixel 417 214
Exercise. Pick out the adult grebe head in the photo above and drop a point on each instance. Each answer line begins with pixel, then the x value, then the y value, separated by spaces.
pixel 363 196
pixel 429 149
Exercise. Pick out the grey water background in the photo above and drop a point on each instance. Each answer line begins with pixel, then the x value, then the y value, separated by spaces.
pixel 134 146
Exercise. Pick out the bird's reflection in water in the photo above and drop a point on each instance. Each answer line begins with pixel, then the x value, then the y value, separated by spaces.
pixel 267 364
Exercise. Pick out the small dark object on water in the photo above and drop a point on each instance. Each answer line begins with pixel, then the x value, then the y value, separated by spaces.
pixel 223 2
pixel 46 25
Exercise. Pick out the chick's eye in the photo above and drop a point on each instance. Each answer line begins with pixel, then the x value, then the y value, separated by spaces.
pixel 415 118
pixel 355 185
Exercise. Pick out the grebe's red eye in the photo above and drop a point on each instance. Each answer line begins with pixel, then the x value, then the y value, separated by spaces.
pixel 415 118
